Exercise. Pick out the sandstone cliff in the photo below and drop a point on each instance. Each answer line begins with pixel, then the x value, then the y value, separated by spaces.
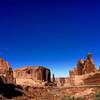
pixel 32 75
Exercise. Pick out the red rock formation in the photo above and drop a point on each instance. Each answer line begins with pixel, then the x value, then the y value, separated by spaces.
pixel 93 79
pixel 89 65
pixel 84 66
pixel 62 81
pixel 85 72
pixel 73 72
pixel 37 73
pixel 80 67
pixel 6 73
pixel 4 66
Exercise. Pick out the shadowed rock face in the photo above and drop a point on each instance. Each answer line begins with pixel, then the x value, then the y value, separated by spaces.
pixel 37 73
pixel 9 91
pixel 6 73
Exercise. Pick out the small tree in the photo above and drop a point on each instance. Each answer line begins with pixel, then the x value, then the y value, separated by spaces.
pixel 97 95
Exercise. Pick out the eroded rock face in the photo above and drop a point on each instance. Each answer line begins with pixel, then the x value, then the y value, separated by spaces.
pixel 85 72
pixel 6 72
pixel 89 65
pixel 84 66
pixel 36 74
pixel 93 79
pixel 4 66
pixel 62 81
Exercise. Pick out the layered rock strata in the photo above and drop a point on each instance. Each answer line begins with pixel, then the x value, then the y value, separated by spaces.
pixel 33 74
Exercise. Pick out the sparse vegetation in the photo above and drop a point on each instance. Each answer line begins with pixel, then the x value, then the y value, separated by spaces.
pixel 97 95
pixel 81 98
pixel 68 97
pixel 73 98
pixel 1 94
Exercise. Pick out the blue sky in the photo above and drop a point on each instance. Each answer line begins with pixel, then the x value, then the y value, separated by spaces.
pixel 52 33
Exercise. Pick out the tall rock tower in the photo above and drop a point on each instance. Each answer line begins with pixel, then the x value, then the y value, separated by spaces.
pixel 6 72
pixel 84 66
pixel 89 65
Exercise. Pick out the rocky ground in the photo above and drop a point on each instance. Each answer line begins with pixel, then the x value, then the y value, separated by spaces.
pixel 46 93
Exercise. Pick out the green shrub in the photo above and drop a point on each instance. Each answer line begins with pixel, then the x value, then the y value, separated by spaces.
pixel 1 94
pixel 81 98
pixel 97 95
pixel 68 98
